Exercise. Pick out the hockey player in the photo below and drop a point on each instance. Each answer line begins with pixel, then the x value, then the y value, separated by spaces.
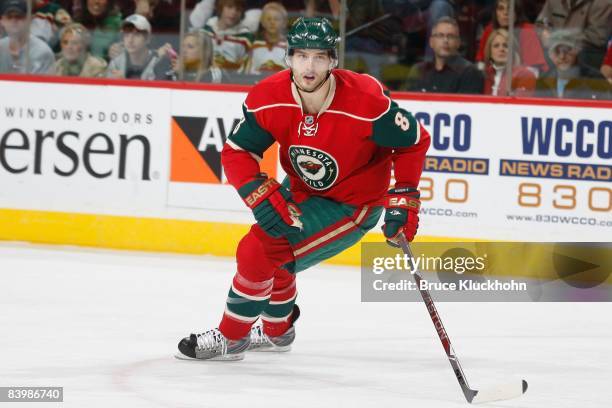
pixel 339 136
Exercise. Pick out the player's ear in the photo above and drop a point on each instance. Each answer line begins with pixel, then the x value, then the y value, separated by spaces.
pixel 288 61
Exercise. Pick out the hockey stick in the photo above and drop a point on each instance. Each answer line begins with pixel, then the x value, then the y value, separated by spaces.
pixel 500 392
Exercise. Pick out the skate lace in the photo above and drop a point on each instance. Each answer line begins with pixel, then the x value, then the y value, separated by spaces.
pixel 258 337
pixel 212 340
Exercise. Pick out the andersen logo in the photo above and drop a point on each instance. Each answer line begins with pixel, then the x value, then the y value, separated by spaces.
pixel 64 153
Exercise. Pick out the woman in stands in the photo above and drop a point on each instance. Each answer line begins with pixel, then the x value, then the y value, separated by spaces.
pixel 75 60
pixel 529 47
pixel 496 55
pixel 197 61
pixel 103 19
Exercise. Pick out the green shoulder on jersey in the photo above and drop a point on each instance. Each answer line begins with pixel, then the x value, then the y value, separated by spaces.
pixel 396 128
pixel 248 135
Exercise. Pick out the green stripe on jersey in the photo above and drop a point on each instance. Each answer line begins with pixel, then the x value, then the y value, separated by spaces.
pixel 249 136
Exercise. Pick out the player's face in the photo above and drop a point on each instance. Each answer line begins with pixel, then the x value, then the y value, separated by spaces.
pixel 191 52
pixel 272 21
pixel 134 41
pixel 310 68
pixel 14 23
pixel 564 57
pixel 72 46
pixel 501 12
pixel 499 50
pixel 444 40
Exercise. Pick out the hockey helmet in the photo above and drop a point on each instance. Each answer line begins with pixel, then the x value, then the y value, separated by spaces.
pixel 312 32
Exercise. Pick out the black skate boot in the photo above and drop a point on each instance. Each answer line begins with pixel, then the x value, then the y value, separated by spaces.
pixel 263 343
pixel 212 345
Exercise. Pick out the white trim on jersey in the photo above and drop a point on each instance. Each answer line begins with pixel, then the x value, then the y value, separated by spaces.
pixel 236 147
pixel 276 105
pixel 382 90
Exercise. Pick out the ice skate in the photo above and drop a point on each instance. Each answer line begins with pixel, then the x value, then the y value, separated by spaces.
pixel 212 345
pixel 279 344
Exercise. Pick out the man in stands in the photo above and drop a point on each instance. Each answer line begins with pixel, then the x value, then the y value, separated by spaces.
pixel 16 55
pixel 569 78
pixel 448 72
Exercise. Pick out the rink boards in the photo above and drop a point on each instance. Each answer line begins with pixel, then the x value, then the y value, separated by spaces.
pixel 124 165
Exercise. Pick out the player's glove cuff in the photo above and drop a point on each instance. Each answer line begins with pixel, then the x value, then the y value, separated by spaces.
pixel 272 206
pixel 257 190
pixel 401 214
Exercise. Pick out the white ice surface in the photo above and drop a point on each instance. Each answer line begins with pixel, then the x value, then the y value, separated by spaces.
pixel 105 324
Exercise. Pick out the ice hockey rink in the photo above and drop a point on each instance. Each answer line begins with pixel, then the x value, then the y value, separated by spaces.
pixel 104 325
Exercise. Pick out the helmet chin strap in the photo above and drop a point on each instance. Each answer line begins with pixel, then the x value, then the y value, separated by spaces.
pixel 316 88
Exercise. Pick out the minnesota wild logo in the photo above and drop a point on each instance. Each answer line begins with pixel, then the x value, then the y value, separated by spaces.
pixel 315 167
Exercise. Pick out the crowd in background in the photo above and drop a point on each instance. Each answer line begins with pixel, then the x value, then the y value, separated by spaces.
pixel 555 48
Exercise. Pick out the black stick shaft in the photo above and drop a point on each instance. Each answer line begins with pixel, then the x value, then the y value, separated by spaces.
pixel 437 322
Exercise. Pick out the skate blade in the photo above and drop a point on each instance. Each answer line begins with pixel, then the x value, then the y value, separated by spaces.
pixel 271 349
pixel 229 357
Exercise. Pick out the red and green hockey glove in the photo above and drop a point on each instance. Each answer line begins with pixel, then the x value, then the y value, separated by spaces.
pixel 272 206
pixel 401 214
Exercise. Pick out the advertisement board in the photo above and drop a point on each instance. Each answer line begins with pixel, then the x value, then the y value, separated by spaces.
pixel 84 149
pixel 495 171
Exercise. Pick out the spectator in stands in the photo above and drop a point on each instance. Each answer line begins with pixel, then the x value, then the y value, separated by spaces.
pixel 145 8
pixel 137 61
pixel 196 60
pixel 496 56
pixel 13 47
pixel 75 60
pixel 606 67
pixel 529 47
pixel 204 10
pixel 47 18
pixel 232 40
pixel 569 78
pixel 268 51
pixel 103 19
pixel 591 17
pixel 449 72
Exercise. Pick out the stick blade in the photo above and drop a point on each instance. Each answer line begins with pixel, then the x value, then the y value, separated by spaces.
pixel 500 392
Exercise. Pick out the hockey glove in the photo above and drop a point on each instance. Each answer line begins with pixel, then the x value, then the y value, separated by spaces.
pixel 401 214
pixel 272 206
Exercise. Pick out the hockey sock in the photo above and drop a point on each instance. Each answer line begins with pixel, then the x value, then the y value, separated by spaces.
pixel 245 302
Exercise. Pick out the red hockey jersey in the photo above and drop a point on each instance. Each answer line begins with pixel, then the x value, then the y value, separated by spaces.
pixel 344 153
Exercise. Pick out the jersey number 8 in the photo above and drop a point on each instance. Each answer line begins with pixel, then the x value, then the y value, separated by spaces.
pixel 402 121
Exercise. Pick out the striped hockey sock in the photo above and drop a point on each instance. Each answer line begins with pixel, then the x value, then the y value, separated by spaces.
pixel 245 302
